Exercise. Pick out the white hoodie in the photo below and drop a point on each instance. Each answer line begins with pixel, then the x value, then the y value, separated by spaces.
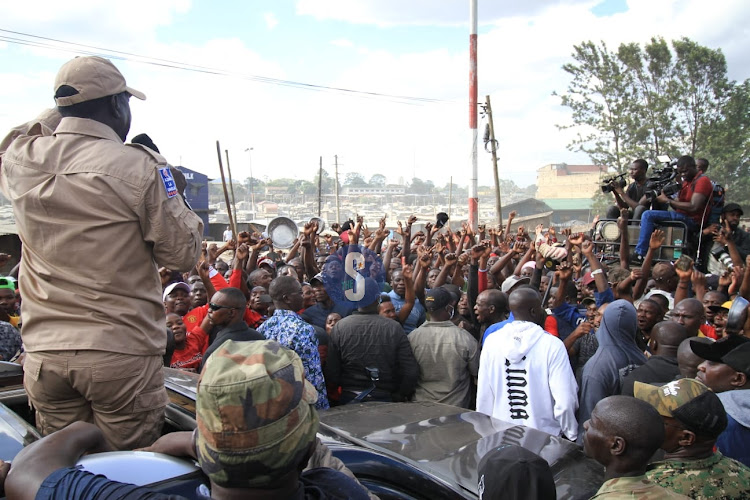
pixel 525 378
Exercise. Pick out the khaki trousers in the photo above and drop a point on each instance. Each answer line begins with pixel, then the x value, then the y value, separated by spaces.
pixel 122 394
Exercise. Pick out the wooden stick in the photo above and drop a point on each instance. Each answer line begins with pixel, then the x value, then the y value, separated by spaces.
pixel 231 190
pixel 226 194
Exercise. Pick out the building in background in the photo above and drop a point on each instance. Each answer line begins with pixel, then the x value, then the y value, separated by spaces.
pixel 196 193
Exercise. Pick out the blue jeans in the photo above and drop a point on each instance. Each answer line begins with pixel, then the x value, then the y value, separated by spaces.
pixel 648 224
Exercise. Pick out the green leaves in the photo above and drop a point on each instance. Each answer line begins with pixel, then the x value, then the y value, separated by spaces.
pixel 656 99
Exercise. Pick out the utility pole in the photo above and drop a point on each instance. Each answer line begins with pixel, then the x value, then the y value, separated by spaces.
pixel 498 202
pixel 450 197
pixel 336 181
pixel 473 199
pixel 320 184
pixel 249 152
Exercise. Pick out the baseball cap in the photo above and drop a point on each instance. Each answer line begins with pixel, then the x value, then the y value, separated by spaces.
pixel 317 279
pixel 437 298
pixel 588 300
pixel 733 350
pixel 723 307
pixel 511 281
pixel 7 283
pixel 266 261
pixel 587 279
pixel 92 77
pixel 512 471
pixel 731 207
pixel 254 413
pixel 175 286
pixel 688 401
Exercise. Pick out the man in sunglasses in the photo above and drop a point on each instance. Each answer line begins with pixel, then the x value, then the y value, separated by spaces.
pixel 225 310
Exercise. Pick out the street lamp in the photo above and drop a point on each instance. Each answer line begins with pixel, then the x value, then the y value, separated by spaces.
pixel 249 152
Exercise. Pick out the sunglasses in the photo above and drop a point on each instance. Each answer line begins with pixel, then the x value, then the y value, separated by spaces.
pixel 216 307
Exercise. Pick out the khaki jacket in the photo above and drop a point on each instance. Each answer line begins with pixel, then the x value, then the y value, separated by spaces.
pixel 96 220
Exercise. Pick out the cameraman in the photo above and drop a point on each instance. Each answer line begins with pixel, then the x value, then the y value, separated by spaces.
pixel 691 206
pixel 731 244
pixel 634 198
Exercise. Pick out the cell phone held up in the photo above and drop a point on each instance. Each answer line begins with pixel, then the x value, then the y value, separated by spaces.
pixel 684 263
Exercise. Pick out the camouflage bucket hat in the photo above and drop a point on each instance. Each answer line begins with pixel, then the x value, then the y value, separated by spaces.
pixel 255 414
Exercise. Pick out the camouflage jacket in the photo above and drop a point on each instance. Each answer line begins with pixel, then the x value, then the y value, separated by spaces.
pixel 716 477
pixel 633 488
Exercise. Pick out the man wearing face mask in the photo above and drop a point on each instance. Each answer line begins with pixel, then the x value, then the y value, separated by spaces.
pixel 448 356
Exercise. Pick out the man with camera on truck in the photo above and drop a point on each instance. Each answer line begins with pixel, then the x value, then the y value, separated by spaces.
pixel 690 207
pixel 634 197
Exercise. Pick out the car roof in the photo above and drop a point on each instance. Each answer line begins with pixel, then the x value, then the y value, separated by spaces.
pixel 443 440
pixel 449 442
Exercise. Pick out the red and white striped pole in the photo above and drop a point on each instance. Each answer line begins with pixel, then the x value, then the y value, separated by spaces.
pixel 473 200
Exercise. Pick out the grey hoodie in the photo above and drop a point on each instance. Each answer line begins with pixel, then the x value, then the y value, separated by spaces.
pixel 616 356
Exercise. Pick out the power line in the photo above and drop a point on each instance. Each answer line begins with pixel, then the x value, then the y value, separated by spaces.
pixel 41 42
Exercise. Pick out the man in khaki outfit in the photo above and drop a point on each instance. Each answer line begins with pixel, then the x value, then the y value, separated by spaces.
pixel 96 218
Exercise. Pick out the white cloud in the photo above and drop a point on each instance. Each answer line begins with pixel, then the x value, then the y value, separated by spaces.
pixel 271 20
pixel 421 12
pixel 520 59
pixel 342 42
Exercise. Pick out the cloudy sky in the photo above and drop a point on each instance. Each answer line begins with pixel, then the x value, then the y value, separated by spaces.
pixel 262 73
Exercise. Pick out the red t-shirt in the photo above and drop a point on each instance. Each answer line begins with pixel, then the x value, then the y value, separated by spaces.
pixel 195 317
pixel 190 357
pixel 701 184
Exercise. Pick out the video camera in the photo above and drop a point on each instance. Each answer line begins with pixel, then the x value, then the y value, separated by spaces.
pixel 663 179
pixel 609 184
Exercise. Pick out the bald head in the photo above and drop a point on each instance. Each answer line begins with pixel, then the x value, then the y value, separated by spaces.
pixel 687 360
pixel 668 336
pixel 635 422
pixel 233 297
pixel 690 314
pixel 526 305
pixel 665 276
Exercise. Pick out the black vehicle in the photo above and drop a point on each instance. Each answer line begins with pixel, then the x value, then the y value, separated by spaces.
pixel 397 450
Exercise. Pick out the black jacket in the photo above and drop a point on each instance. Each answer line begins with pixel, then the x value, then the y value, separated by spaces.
pixel 238 332
pixel 363 341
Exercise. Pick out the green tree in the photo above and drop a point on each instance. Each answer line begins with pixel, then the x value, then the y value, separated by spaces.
pixel 328 186
pixel 377 180
pixel 601 103
pixel 642 102
pixel 650 74
pixel 354 179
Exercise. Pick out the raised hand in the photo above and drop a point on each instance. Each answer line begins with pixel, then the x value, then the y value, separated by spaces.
pixel 576 239
pixel 564 271
pixel 657 239
pixel 587 247
pixel 242 252
pixel 450 259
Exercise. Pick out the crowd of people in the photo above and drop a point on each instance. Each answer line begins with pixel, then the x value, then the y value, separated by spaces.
pixel 641 357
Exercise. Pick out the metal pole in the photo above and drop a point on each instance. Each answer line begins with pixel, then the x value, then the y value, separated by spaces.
pixel 226 194
pixel 336 181
pixel 473 200
pixel 231 188
pixel 320 184
pixel 249 152
pixel 450 197
pixel 498 202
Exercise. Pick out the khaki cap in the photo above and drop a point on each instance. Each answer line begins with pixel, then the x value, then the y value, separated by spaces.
pixel 93 77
